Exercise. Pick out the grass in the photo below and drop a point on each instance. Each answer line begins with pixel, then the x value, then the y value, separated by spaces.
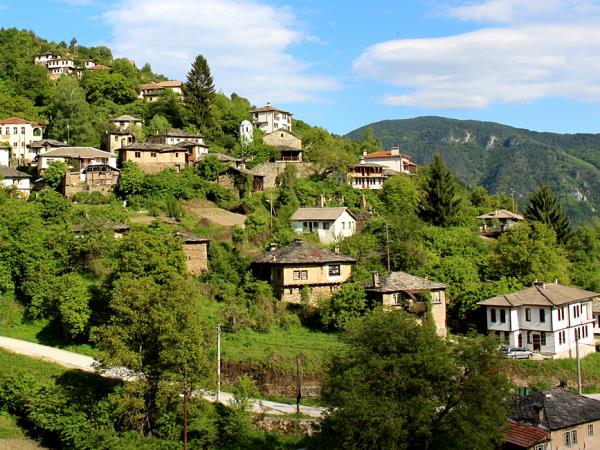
pixel 9 428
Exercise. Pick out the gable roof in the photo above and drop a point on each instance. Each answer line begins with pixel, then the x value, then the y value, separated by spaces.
pixel 18 121
pixel 154 147
pixel 76 152
pixel 550 294
pixel 299 252
pixel 402 281
pixel 176 132
pixel 8 172
pixel 160 85
pixel 501 214
pixel 48 143
pixel 559 409
pixel 268 108
pixel 385 154
pixel 524 435
pixel 222 157
pixel 189 238
pixel 320 213
pixel 280 130
pixel 126 118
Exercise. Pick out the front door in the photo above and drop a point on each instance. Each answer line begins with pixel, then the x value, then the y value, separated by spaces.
pixel 536 342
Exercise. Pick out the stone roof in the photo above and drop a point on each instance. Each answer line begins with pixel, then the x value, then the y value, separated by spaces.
pixel 222 157
pixel 501 214
pixel 161 84
pixel 301 253
pixel 524 435
pixel 549 294
pixel 268 108
pixel 76 152
pixel 319 214
pixel 8 172
pixel 402 281
pixel 176 132
pixel 154 147
pixel 126 118
pixel 555 409
pixel 189 238
pixel 48 143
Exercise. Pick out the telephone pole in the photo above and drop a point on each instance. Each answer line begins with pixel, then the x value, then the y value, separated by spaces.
pixel 298 385
pixel 218 361
pixel 387 245
pixel 578 362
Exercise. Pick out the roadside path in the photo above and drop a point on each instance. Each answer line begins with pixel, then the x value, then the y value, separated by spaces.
pixel 72 360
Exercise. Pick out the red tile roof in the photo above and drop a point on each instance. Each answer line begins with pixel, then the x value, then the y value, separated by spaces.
pixel 384 154
pixel 100 67
pixel 525 435
pixel 17 121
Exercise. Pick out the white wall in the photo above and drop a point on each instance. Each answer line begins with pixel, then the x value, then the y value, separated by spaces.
pixel 343 227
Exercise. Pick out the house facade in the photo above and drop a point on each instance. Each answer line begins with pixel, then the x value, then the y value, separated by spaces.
pixel 194 143
pixel 152 158
pixel 289 145
pixel 563 420
pixel 152 92
pixel 77 158
pixel 58 65
pixel 330 224
pixel 21 181
pixel 269 119
pixel 368 176
pixel 547 318
pixel 19 134
pixel 195 249
pixel 303 272
pixel 420 296
pixel 498 221
pixel 392 159
pixel 122 133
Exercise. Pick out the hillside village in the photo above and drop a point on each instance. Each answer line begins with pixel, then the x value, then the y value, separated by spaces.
pixel 138 215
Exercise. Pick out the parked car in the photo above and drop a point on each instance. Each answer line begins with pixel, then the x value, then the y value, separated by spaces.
pixel 516 352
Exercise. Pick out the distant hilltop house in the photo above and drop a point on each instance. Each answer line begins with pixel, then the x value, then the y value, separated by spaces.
pixel 151 92
pixel 289 145
pixel 21 181
pixel 547 318
pixel 58 65
pixel 90 169
pixel 330 224
pixel 19 134
pixel 269 119
pixel 301 271
pixel 420 296
pixel 122 132
pixel 498 221
pixel 374 168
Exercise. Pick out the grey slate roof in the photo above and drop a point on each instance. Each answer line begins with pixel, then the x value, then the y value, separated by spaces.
pixel 402 281
pixel 561 409
pixel 190 238
pixel 319 214
pixel 501 214
pixel 48 143
pixel 7 172
pixel 301 253
pixel 222 157
pixel 126 118
pixel 550 294
pixel 76 152
pixel 155 147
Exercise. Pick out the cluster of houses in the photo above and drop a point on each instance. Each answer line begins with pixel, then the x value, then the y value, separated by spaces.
pixel 58 65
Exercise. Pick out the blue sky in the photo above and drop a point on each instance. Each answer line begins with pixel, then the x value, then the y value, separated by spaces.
pixel 339 64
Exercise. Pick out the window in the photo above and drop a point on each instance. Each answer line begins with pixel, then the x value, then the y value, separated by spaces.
pixel 560 338
pixel 529 337
pixel 22 130
pixel 543 338
pixel 576 311
pixel 539 447
pixel 15 130
pixel 520 340
pixel 502 316
pixel 528 314
pixel 300 275
pixel 153 154
pixel 561 313
pixel 542 315
pixel 493 315
pixel 343 225
pixel 326 225
pixel 591 429
pixel 567 436
pixel 176 155
pixel 397 298
pixel 138 154
pixel 334 270
pixel 574 437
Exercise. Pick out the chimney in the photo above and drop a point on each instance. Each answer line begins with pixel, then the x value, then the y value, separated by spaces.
pixel 336 249
pixel 541 415
pixel 537 283
pixel 376 280
pixel 364 153
pixel 272 246
pixel 395 151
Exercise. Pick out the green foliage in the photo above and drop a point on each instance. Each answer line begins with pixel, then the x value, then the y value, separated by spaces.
pixel 131 179
pixel 346 304
pixel 210 168
pixel 543 207
pixel 440 205
pixel 199 94
pixel 55 173
pixel 400 386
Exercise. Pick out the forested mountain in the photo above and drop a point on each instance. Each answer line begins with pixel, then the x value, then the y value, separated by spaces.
pixel 503 158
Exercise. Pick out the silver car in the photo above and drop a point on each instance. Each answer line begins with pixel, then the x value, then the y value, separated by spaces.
pixel 516 352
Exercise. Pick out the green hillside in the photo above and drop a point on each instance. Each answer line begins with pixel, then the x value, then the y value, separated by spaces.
pixel 503 158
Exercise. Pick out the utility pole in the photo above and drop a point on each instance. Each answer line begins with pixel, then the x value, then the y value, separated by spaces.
pixel 578 362
pixel 271 212
pixel 298 385
pixel 185 417
pixel 387 244
pixel 218 361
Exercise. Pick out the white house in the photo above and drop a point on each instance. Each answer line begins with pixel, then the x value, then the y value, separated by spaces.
pixel 392 159
pixel 269 119
pixel 78 158
pixel 545 318
pixel 14 178
pixel 330 224
pixel 246 130
pixel 19 134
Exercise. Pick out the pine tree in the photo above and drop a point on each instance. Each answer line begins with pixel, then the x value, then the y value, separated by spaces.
pixel 199 94
pixel 543 207
pixel 440 205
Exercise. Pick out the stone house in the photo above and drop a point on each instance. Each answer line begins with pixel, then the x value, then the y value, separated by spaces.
pixel 193 143
pixel 330 224
pixel 45 145
pixel 121 135
pixel 289 145
pixel 19 134
pixel 93 178
pixel 553 419
pixel 195 249
pixel 421 296
pixel 77 158
pixel 151 92
pixel 301 271
pixel 13 178
pixel 269 119
pixel 152 158
pixel 547 318
pixel 498 221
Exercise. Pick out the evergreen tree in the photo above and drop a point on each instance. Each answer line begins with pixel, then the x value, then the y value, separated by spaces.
pixel 543 207
pixel 440 205
pixel 199 94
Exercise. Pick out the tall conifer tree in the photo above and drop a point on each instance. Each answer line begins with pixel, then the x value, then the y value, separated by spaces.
pixel 543 207
pixel 440 205
pixel 199 94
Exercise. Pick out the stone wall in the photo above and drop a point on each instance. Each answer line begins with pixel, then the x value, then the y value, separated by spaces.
pixel 270 170
pixel 72 184
pixel 196 257
pixel 282 138
pixel 314 293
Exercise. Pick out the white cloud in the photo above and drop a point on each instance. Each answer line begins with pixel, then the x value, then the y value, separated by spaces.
pixel 531 58
pixel 245 42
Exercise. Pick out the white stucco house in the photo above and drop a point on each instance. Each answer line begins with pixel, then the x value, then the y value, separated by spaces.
pixel 546 318
pixel 14 178
pixel 330 224
pixel 269 119
pixel 18 134
pixel 392 159
pixel 78 158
